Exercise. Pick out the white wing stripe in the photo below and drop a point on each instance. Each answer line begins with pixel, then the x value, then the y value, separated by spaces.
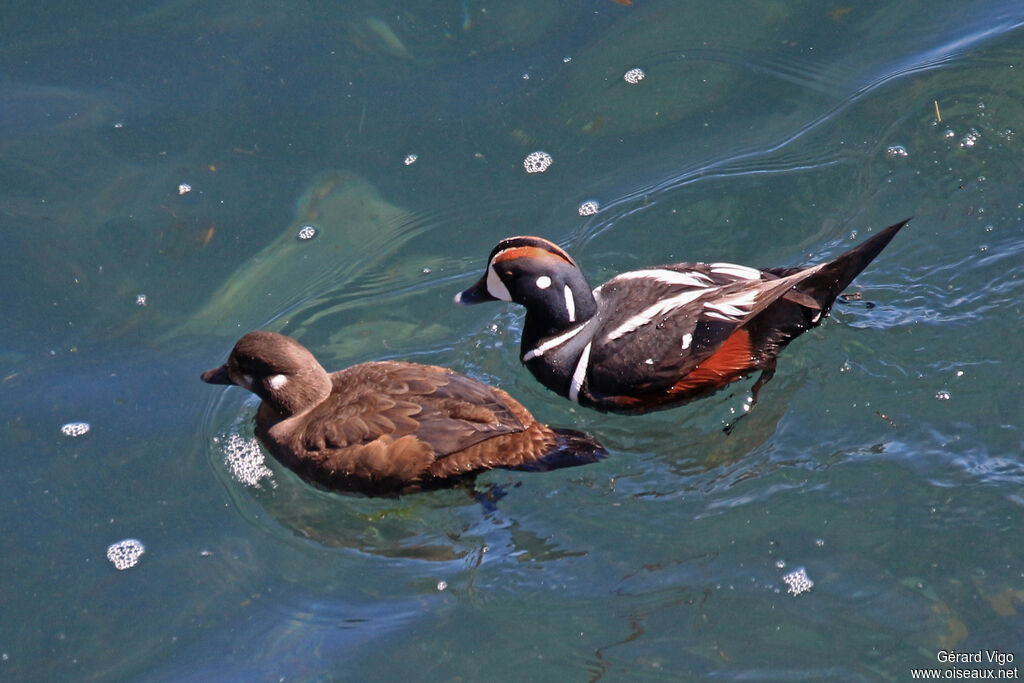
pixel 651 312
pixel 736 271
pixel 668 277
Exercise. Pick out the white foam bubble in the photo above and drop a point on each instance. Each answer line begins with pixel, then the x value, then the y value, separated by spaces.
pixel 125 554
pixel 74 429
pixel 307 232
pixel 537 162
pixel 589 208
pixel 971 139
pixel 245 460
pixel 798 581
pixel 897 152
pixel 634 76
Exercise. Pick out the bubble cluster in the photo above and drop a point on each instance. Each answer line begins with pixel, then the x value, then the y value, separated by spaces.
pixel 75 429
pixel 537 162
pixel 970 139
pixel 140 300
pixel 307 232
pixel 943 395
pixel 896 152
pixel 184 188
pixel 245 460
pixel 125 554
pixel 589 208
pixel 634 76
pixel 798 581
pixel 410 159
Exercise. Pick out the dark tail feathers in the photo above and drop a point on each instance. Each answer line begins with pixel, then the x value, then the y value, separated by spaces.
pixel 828 283
pixel 570 449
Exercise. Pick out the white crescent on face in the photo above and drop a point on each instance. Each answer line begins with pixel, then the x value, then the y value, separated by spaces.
pixel 495 287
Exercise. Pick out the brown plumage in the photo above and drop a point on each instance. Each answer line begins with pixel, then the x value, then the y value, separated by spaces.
pixel 388 427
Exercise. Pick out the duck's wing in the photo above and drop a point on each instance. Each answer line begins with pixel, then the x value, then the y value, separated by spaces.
pixel 689 315
pixel 390 400
pixel 457 411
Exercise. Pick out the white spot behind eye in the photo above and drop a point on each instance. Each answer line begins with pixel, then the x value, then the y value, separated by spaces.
pixel 275 382
pixel 543 282
pixel 687 338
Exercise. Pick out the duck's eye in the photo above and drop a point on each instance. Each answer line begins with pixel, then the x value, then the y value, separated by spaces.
pixel 543 282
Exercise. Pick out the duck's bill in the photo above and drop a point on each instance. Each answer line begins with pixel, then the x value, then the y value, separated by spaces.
pixel 476 294
pixel 216 376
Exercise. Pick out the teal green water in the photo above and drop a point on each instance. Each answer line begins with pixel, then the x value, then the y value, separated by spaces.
pixel 158 161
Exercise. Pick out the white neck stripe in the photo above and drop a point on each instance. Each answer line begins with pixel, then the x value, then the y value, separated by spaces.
pixel 579 375
pixel 551 343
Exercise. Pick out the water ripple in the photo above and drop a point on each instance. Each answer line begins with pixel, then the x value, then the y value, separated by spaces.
pixel 775 157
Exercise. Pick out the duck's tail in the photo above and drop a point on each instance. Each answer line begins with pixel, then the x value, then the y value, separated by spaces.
pixel 829 282
pixel 571 448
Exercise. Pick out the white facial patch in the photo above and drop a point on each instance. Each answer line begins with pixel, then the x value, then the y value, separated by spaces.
pixel 495 287
pixel 247 381
pixel 570 304
pixel 687 340
pixel 543 282
pixel 275 382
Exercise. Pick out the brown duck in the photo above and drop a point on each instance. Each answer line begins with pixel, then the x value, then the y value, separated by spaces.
pixel 388 427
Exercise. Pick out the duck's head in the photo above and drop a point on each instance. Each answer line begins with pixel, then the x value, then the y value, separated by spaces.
pixel 539 275
pixel 276 368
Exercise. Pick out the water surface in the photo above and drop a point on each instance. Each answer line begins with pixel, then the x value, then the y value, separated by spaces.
pixel 159 160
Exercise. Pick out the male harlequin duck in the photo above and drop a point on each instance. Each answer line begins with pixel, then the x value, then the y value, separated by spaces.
pixel 388 427
pixel 660 337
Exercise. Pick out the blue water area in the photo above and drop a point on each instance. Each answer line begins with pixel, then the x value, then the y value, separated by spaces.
pixel 158 162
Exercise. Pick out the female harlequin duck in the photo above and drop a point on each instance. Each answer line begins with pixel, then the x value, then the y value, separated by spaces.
pixel 388 427
pixel 656 338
